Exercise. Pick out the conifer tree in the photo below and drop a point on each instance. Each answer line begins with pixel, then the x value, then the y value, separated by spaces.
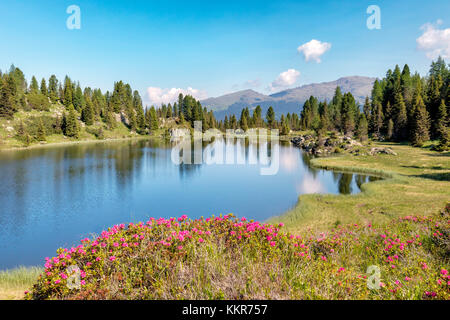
pixel 390 129
pixel 421 125
pixel 400 119
pixel 362 128
pixel 270 118
pixel 40 136
pixel 153 125
pixel 87 114
pixel 53 88
pixel 377 120
pixel 226 123
pixel 441 120
pixel 43 88
pixel 7 97
pixel 70 123
pixel 284 126
pixel 68 92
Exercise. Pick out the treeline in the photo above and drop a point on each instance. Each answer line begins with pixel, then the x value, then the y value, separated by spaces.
pixel 255 119
pixel 90 106
pixel 410 107
pixel 187 110
pixel 402 107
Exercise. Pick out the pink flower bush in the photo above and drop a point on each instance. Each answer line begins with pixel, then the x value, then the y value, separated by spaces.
pixel 133 256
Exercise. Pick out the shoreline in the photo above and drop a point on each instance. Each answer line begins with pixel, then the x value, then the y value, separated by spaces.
pixel 74 142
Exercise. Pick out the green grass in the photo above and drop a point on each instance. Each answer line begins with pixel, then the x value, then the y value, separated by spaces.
pixel 417 182
pixel 14 282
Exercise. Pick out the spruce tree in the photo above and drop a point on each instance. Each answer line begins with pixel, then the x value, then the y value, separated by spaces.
pixel 226 123
pixel 43 88
pixel 441 121
pixel 67 93
pixel 390 129
pixel 70 123
pixel 34 87
pixel 377 120
pixel 87 114
pixel 400 118
pixel 40 136
pixel 444 141
pixel 421 124
pixel 153 125
pixel 7 97
pixel 270 117
pixel 53 88
pixel 362 128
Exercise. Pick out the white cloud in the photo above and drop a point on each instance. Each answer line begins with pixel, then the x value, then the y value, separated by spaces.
pixel 157 95
pixel 434 41
pixel 284 80
pixel 314 49
pixel 310 184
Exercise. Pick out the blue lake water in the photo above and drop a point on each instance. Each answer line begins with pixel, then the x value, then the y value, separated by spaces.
pixel 52 197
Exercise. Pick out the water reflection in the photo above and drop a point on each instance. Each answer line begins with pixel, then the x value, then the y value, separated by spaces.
pixel 54 196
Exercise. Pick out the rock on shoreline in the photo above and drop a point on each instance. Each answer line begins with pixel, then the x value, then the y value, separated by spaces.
pixel 320 146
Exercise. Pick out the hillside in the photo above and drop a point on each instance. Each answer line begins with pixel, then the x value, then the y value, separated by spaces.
pixel 290 100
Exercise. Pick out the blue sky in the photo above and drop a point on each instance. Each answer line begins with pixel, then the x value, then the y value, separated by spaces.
pixel 215 47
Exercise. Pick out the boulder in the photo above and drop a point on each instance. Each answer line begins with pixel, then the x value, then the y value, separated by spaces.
pixel 382 150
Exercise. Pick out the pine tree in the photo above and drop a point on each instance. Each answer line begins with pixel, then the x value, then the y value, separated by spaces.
pixel 270 117
pixel 67 92
pixel 441 121
pixel 362 128
pixel 78 99
pixel 7 97
pixel 153 125
pixel 377 120
pixel 444 142
pixel 43 88
pixel 390 129
pixel 257 117
pixel 348 113
pixel 109 119
pixel 70 123
pixel 53 88
pixel 40 136
pixel 34 87
pixel 226 123
pixel 421 124
pixel 284 126
pixel 87 114
pixel 400 118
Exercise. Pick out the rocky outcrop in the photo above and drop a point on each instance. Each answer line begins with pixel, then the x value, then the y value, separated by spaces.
pixel 380 150
pixel 325 145
pixel 336 144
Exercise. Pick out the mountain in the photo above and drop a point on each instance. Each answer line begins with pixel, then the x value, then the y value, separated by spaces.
pixel 290 100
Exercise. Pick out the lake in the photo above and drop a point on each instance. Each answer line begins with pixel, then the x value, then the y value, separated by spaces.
pixel 52 197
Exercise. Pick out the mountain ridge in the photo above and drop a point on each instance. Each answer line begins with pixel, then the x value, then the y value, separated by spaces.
pixel 289 100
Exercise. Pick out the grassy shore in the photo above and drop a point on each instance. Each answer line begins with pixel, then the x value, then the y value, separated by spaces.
pixel 417 182
pixel 14 282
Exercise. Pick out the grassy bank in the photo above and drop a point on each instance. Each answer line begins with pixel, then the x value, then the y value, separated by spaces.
pixel 10 140
pixel 14 282
pixel 417 182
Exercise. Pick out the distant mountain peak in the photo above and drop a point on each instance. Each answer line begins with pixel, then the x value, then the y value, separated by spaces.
pixel 290 100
